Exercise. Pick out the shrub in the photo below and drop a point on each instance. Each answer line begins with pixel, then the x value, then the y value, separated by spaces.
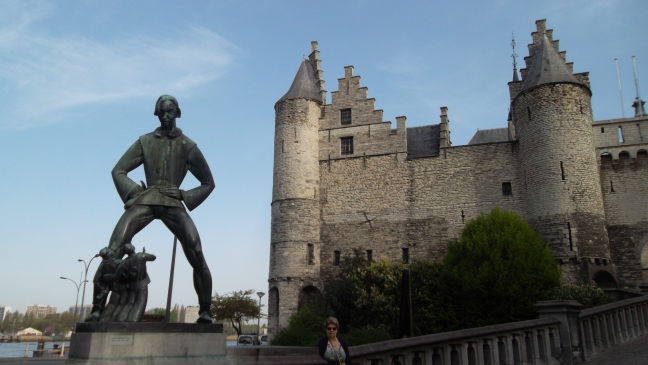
pixel 368 334
pixel 495 272
pixel 295 336
pixel 586 295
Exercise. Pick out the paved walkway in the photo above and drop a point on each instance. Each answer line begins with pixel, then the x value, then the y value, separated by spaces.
pixel 633 353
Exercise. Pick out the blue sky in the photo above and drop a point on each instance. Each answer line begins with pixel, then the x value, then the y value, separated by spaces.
pixel 79 79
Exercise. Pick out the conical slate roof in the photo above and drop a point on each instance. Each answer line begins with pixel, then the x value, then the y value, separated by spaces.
pixel 547 67
pixel 305 84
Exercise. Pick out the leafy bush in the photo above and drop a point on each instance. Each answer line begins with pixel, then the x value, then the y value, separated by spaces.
pixel 295 336
pixel 368 334
pixel 305 326
pixel 495 273
pixel 586 295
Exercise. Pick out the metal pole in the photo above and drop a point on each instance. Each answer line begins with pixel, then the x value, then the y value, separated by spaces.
pixel 260 294
pixel 620 88
pixel 85 279
pixel 76 305
pixel 640 107
pixel 167 316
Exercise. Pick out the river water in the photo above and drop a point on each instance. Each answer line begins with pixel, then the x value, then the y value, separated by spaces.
pixel 17 349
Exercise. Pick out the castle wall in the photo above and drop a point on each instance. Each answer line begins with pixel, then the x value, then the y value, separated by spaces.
pixel 386 204
pixel 625 195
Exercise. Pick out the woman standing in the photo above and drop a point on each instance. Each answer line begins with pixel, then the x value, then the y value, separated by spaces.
pixel 331 348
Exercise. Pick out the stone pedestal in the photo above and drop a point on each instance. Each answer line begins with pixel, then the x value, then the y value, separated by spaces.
pixel 148 343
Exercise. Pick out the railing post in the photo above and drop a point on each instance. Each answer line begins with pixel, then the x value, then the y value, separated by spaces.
pixel 26 350
pixel 567 312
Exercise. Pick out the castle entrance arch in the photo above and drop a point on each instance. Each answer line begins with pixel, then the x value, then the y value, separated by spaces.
pixel 604 280
pixel 308 294
pixel 273 308
pixel 644 262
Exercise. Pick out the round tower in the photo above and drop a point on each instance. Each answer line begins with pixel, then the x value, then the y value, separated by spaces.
pixel 295 232
pixel 552 115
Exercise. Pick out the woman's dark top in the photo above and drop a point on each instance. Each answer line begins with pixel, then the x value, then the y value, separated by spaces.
pixel 322 343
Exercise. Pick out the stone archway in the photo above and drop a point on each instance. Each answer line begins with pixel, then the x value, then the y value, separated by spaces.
pixel 644 263
pixel 604 280
pixel 273 310
pixel 307 295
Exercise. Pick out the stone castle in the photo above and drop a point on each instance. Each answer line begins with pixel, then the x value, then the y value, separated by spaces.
pixel 345 178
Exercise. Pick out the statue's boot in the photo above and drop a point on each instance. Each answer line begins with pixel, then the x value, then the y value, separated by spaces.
pixel 204 313
pixel 95 314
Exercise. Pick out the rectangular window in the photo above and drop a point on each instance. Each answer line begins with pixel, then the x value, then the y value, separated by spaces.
pixel 506 188
pixel 336 258
pixel 621 139
pixel 406 255
pixel 346 144
pixel 369 255
pixel 311 254
pixel 345 116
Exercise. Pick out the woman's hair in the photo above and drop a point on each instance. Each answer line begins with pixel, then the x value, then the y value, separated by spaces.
pixel 333 321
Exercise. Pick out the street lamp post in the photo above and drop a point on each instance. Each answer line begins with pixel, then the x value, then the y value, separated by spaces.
pixel 85 278
pixel 76 305
pixel 260 294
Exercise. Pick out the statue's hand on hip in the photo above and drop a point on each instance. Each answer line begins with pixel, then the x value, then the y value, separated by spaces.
pixel 172 192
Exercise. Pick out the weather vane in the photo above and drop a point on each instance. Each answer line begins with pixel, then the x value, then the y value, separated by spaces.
pixel 513 55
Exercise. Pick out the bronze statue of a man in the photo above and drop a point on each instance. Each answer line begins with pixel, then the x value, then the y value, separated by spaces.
pixel 167 155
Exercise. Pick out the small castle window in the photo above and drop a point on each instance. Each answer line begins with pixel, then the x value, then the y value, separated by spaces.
pixel 369 255
pixel 311 254
pixel 602 129
pixel 506 188
pixel 346 144
pixel 406 255
pixel 345 116
pixel 336 258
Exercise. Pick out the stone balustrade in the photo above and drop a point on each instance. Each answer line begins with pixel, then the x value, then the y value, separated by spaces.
pixel 564 334
pixel 611 325
pixel 533 342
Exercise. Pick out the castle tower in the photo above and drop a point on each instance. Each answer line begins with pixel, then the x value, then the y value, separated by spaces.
pixel 552 115
pixel 295 233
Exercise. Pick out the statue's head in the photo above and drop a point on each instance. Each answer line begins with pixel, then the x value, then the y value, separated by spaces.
pixel 128 249
pixel 107 253
pixel 167 110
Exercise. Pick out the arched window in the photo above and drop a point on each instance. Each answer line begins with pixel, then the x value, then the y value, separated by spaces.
pixel 624 155
pixel 606 157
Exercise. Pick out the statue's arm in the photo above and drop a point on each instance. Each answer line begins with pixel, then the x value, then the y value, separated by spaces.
pixel 200 170
pixel 127 188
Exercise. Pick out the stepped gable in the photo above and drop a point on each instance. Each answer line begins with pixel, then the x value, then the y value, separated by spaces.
pixel 306 83
pixel 547 65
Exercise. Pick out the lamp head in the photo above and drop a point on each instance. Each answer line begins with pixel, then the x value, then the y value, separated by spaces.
pixel 63 278
pixel 79 260
pixel 260 294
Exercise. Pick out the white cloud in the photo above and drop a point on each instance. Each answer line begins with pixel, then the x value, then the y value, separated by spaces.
pixel 42 73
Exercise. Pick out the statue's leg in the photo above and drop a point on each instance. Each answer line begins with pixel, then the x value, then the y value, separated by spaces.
pixel 122 315
pixel 107 313
pixel 131 222
pixel 182 226
pixel 137 311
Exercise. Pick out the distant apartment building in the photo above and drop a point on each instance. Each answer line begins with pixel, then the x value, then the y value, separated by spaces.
pixel 190 314
pixel 4 311
pixel 84 311
pixel 39 311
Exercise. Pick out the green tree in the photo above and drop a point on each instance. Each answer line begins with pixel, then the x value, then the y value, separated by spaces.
pixel 235 307
pixel 495 272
